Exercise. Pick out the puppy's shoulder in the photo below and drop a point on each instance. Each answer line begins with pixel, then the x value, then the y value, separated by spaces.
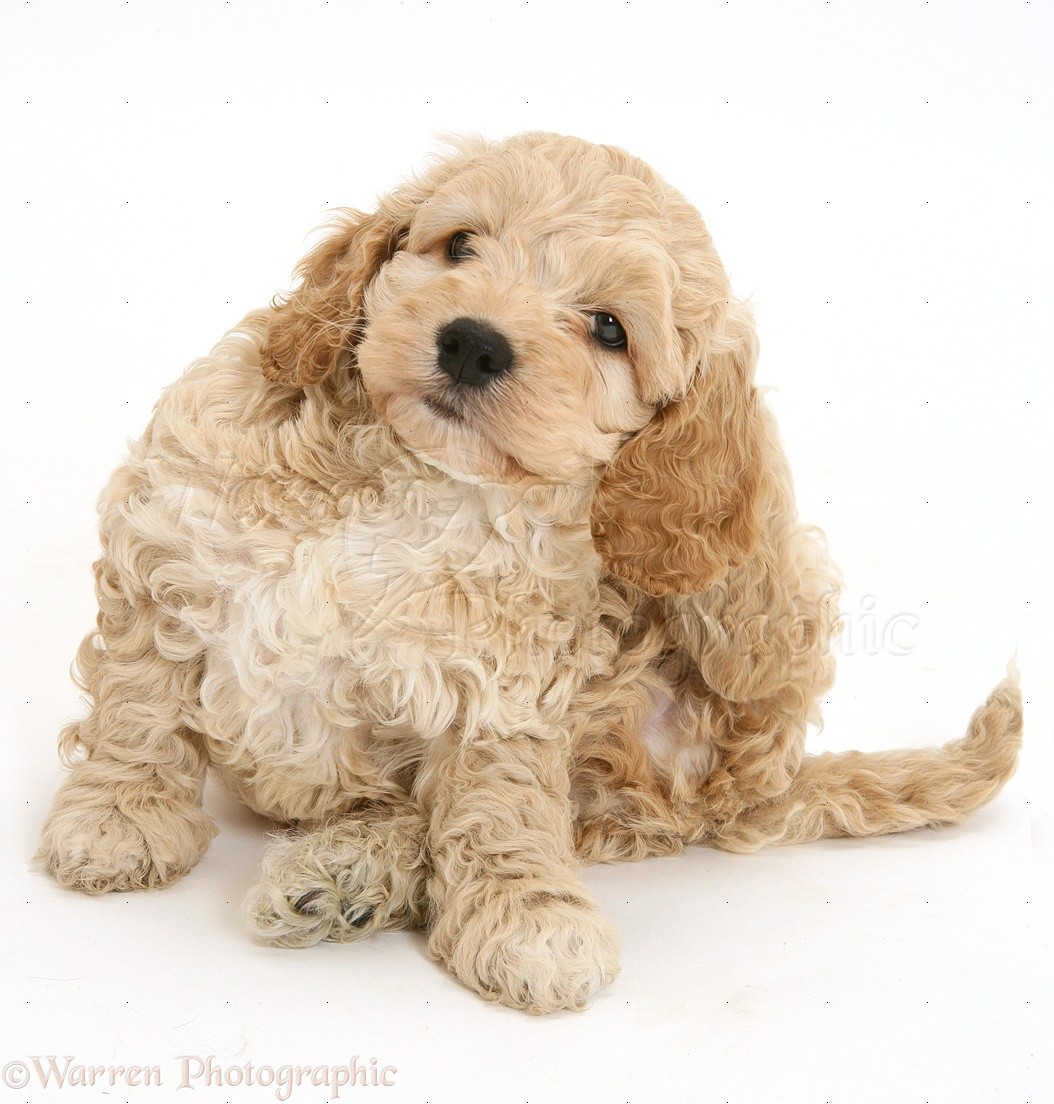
pixel 226 389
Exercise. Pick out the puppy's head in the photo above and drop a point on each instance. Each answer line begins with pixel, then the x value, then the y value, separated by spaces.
pixel 547 310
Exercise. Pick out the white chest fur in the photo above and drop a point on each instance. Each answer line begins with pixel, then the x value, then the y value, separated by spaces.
pixel 433 604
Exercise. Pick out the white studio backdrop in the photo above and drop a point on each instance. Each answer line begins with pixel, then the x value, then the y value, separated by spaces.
pixel 877 178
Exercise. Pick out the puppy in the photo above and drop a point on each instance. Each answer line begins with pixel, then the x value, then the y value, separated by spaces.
pixel 473 560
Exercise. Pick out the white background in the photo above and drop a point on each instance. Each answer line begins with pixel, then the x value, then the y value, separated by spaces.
pixel 878 179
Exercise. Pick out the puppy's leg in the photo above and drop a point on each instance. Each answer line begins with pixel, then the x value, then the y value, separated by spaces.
pixel 758 750
pixel 753 683
pixel 344 880
pixel 751 662
pixel 511 916
pixel 722 759
pixel 622 809
pixel 129 815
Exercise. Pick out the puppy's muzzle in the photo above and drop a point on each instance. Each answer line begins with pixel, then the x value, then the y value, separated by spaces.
pixel 472 354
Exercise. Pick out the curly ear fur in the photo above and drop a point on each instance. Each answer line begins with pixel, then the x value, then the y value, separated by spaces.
pixel 309 332
pixel 685 499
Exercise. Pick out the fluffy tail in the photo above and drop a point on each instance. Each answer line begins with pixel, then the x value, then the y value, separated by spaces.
pixel 869 794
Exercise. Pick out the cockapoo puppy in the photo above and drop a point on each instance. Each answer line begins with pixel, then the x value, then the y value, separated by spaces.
pixel 473 560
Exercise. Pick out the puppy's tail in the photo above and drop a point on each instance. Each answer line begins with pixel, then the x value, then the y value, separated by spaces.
pixel 866 794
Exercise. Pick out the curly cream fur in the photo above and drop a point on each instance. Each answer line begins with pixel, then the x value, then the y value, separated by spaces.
pixel 459 643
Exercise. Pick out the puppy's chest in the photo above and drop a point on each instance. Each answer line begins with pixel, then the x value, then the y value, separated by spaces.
pixel 413 615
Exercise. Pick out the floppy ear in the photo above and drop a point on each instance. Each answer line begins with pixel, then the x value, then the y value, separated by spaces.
pixel 319 322
pixel 685 499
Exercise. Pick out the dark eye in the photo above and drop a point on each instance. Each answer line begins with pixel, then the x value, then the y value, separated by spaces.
pixel 607 329
pixel 460 247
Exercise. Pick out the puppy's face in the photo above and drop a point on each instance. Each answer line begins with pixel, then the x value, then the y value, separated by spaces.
pixel 545 310
pixel 523 328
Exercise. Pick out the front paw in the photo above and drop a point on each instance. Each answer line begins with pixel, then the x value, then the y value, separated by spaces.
pixel 539 952
pixel 100 838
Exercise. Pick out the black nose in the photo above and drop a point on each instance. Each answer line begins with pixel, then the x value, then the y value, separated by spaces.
pixel 471 353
